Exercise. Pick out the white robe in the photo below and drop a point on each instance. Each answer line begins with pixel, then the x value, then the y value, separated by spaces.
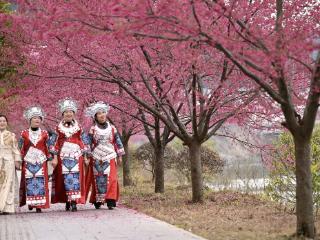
pixel 9 154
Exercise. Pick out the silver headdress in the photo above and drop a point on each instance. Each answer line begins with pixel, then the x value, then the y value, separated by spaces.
pixel 67 104
pixel 33 111
pixel 97 107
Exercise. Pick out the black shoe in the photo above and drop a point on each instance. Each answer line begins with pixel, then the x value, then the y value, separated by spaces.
pixel 111 203
pixel 30 208
pixel 67 206
pixel 74 206
pixel 97 205
pixel 38 210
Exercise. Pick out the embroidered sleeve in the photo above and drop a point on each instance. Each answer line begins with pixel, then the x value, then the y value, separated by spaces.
pixel 85 138
pixel 48 145
pixel 21 145
pixel 52 143
pixel 118 143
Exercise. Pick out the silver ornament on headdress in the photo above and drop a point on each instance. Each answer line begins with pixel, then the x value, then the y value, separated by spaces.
pixel 67 104
pixel 97 107
pixel 33 111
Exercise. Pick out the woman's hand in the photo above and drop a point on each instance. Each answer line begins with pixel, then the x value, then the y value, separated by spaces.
pixel 17 165
pixel 54 161
pixel 86 160
pixel 119 160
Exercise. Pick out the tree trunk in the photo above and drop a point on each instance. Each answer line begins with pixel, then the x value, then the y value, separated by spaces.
pixel 304 197
pixel 127 180
pixel 159 169
pixel 196 172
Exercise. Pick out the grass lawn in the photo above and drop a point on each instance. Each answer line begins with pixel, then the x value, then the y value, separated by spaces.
pixel 223 215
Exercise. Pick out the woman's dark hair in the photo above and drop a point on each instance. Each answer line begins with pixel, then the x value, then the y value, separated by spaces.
pixel 4 116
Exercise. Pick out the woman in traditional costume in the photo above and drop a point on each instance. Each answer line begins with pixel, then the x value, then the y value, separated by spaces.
pixel 106 149
pixel 34 148
pixel 9 161
pixel 69 149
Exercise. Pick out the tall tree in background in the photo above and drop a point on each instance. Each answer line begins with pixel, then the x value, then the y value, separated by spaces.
pixel 12 58
pixel 192 90
pixel 273 43
pixel 269 42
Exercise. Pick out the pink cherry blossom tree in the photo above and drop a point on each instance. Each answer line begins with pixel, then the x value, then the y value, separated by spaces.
pixel 191 89
pixel 273 43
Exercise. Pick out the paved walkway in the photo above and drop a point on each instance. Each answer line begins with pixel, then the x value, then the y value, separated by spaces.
pixel 87 224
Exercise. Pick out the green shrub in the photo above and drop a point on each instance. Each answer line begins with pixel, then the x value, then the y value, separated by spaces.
pixel 176 158
pixel 211 163
pixel 145 156
pixel 282 185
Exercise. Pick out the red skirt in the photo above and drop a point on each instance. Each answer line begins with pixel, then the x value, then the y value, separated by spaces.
pixel 67 187
pixel 103 187
pixel 34 190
